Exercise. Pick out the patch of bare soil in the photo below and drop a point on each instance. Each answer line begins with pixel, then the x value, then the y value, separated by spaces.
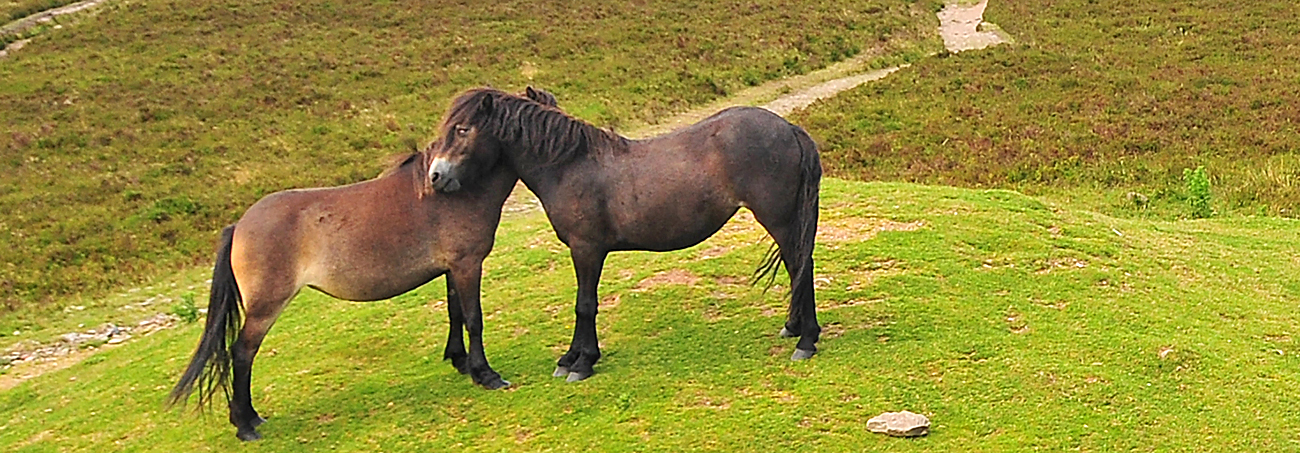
pixel 669 277
pixel 963 28
pixel 611 301
pixel 850 230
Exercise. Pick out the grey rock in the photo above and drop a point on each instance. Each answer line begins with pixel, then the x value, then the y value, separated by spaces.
pixel 900 424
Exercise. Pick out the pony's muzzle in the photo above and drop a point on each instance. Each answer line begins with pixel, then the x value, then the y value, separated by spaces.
pixel 440 176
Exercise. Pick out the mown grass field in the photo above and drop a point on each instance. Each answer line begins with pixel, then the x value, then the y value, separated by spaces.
pixel 133 136
pixel 1013 323
pixel 1101 103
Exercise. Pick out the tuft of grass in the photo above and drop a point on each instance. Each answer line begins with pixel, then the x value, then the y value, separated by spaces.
pixel 1013 323
pixel 1100 98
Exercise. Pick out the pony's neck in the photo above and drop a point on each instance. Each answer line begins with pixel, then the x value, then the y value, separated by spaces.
pixel 550 146
pixel 540 177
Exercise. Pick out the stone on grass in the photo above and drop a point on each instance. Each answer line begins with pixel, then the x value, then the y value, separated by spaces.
pixel 900 424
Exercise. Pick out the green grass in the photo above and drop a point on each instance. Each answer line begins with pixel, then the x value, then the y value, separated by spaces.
pixel 1102 103
pixel 1015 324
pixel 132 137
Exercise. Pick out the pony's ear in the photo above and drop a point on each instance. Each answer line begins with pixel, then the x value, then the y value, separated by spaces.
pixel 485 105
pixel 541 97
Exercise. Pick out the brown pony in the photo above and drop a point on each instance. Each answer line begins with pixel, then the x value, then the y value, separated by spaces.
pixel 366 241
pixel 604 193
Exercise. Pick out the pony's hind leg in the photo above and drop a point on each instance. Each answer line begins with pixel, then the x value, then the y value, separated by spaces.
pixel 455 351
pixel 260 315
pixel 802 318
pixel 795 252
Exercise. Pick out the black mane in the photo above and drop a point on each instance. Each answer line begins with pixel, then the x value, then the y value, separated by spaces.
pixel 538 130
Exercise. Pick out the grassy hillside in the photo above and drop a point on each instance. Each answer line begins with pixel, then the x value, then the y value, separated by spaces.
pixel 1014 324
pixel 1100 98
pixel 133 136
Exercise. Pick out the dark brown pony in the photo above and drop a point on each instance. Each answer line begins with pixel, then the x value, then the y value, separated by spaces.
pixel 604 193
pixel 366 241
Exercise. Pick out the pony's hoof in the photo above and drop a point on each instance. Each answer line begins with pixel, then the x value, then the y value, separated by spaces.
pixel 498 384
pixel 560 371
pixel 575 376
pixel 802 354
pixel 248 435
pixel 786 333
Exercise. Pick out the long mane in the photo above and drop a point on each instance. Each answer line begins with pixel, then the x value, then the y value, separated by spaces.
pixel 543 132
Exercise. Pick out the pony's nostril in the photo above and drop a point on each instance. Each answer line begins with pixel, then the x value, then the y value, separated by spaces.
pixel 434 176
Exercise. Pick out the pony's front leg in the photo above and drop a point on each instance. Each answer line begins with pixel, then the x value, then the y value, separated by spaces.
pixel 466 281
pixel 584 351
pixel 455 351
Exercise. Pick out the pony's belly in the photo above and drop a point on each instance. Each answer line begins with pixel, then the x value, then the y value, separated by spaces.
pixel 676 232
pixel 362 285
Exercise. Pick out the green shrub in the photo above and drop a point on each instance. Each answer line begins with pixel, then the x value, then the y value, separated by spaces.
pixel 1198 192
pixel 185 309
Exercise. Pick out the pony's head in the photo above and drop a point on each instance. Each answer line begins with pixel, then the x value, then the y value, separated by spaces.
pixel 470 144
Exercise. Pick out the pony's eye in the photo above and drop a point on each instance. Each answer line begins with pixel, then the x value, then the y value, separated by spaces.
pixel 462 130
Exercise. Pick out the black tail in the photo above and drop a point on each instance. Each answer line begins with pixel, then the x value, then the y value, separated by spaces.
pixel 210 366
pixel 810 167
pixel 808 199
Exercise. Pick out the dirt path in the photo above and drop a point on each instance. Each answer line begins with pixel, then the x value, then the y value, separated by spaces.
pixel 794 101
pixel 963 28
